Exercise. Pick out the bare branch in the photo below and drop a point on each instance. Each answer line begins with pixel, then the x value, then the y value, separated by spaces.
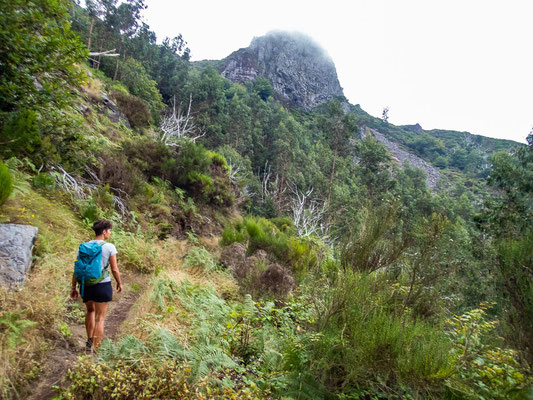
pixel 308 213
pixel 78 189
pixel 177 125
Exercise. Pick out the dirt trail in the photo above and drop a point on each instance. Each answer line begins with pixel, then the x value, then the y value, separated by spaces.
pixel 63 357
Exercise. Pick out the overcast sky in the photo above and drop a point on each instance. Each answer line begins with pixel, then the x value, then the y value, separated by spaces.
pixel 462 65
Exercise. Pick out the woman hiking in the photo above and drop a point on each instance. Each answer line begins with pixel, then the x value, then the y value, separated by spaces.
pixel 97 295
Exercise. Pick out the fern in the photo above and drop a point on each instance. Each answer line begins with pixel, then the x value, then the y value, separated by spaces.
pixel 13 328
pixel 164 289
pixel 200 257
pixel 128 348
pixel 167 345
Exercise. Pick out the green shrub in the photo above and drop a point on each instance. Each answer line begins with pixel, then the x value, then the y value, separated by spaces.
pixel 484 370
pixel 20 134
pixel 134 108
pixel 234 233
pixel 44 181
pixel 134 76
pixel 6 183
pixel 264 235
pixel 365 341
pixel 200 257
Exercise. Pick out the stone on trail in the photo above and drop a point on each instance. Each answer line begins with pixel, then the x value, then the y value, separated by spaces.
pixel 16 245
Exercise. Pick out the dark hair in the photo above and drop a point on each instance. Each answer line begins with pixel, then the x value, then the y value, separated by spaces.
pixel 101 225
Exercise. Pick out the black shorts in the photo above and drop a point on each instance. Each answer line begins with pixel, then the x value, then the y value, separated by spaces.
pixel 99 293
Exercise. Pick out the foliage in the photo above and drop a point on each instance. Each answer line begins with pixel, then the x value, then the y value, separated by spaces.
pixel 483 370
pixel 134 108
pixel 6 183
pixel 44 181
pixel 39 53
pixel 12 328
pixel 20 134
pixel 134 77
pixel 200 257
pixel 365 338
pixel 137 252
pixel 145 379
pixel 515 262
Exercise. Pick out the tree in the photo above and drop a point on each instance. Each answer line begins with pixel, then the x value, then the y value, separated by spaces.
pixel 138 82
pixel 339 128
pixel 385 114
pixel 95 9
pixel 39 53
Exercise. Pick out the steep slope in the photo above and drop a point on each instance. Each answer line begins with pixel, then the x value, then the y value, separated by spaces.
pixel 402 156
pixel 301 73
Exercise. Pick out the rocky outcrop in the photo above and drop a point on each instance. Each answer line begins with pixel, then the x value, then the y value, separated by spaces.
pixel 16 244
pixel 401 157
pixel 113 111
pixel 301 72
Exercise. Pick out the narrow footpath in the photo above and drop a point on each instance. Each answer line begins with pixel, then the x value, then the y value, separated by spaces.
pixel 62 358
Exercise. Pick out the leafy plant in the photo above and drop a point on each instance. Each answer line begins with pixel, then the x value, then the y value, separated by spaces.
pixel 6 183
pixel 483 370
pixel 13 327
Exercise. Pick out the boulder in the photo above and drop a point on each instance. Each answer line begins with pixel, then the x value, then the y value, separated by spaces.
pixel 114 113
pixel 16 245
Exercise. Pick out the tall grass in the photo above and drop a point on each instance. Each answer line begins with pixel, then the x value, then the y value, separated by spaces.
pixel 35 313
pixel 364 340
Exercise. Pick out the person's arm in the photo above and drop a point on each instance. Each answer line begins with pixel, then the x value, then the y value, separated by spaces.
pixel 116 273
pixel 74 292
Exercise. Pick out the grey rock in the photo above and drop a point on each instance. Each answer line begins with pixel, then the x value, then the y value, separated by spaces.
pixel 114 113
pixel 402 156
pixel 16 245
pixel 301 72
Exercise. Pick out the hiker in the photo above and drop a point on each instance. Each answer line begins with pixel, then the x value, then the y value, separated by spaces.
pixel 97 292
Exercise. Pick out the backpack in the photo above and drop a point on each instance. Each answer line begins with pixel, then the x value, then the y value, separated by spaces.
pixel 88 269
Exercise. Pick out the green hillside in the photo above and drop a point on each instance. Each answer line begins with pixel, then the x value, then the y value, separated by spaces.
pixel 267 252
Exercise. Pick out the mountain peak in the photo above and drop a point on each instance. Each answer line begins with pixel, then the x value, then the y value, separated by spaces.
pixel 301 72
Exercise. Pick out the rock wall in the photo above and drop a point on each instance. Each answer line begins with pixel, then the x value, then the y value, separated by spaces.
pixel 301 73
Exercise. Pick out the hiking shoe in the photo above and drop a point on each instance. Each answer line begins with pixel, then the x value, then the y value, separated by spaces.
pixel 89 345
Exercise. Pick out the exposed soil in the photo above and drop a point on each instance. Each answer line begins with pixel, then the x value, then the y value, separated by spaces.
pixel 64 355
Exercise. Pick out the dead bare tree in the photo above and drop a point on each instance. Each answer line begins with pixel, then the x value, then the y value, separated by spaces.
pixel 235 173
pixel 308 213
pixel 177 125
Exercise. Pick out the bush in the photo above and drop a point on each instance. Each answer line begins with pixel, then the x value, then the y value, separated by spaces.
pixel 234 233
pixel 44 181
pixel 20 134
pixel 484 371
pixel 6 183
pixel 200 257
pixel 136 79
pixel 136 111
pixel 364 341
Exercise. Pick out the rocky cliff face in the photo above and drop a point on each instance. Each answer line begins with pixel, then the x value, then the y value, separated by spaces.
pixel 301 73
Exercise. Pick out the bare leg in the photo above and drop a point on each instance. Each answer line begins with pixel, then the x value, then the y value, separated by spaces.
pixel 98 334
pixel 89 319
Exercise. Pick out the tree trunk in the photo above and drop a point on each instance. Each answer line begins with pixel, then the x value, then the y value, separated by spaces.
pixel 332 176
pixel 90 34
pixel 281 191
pixel 118 60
